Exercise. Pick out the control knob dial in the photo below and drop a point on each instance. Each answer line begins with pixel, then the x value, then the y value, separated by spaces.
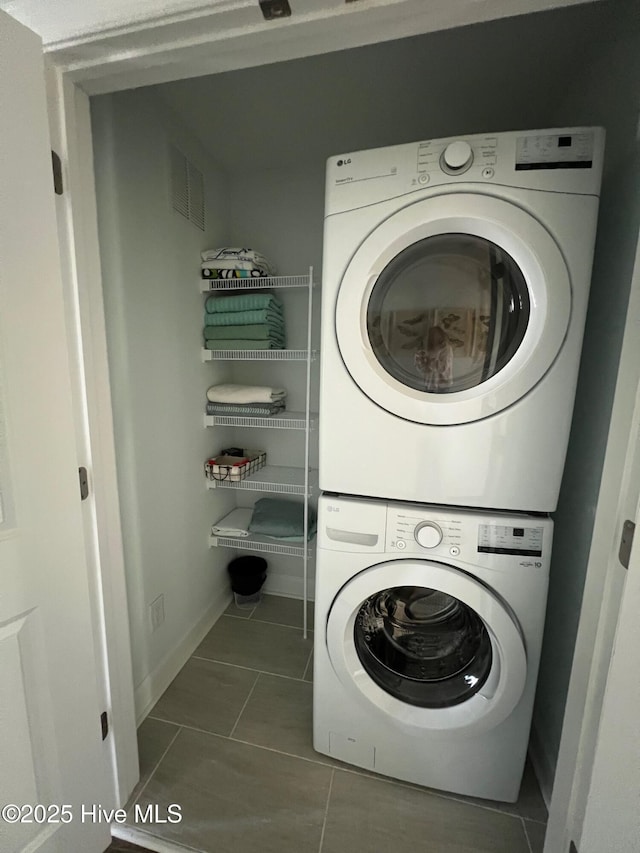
pixel 457 156
pixel 428 534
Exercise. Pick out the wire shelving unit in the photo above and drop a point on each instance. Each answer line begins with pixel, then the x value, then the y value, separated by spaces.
pixel 272 479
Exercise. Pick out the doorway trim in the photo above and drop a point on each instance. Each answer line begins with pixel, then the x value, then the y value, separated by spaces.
pixel 70 85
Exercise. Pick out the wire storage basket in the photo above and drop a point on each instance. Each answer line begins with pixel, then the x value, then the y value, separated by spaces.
pixel 235 468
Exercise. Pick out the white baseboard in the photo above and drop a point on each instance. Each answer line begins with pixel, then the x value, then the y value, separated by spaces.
pixel 543 765
pixel 151 689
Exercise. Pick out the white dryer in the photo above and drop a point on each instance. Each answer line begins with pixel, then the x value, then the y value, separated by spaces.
pixel 428 627
pixel 455 284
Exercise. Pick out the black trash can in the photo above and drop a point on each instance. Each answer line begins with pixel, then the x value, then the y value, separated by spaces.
pixel 247 574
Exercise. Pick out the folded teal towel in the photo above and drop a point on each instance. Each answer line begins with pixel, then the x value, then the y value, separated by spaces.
pixel 256 331
pixel 240 343
pixel 245 318
pixel 242 302
pixel 281 519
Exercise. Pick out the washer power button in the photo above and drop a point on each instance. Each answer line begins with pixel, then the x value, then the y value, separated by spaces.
pixel 401 544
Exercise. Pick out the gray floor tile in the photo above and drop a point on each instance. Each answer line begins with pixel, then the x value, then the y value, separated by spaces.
pixel 283 611
pixel 279 715
pixel 366 814
pixel 530 805
pixel 154 736
pixel 535 834
pixel 236 797
pixel 206 695
pixel 257 645
pixel 240 612
pixel 308 676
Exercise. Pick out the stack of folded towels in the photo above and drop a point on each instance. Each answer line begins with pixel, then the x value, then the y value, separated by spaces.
pixel 248 400
pixel 276 518
pixel 245 321
pixel 235 263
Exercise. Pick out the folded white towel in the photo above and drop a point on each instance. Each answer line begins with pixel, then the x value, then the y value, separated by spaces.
pixel 236 524
pixel 244 394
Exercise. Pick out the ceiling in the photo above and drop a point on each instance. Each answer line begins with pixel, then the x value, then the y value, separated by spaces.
pixel 497 76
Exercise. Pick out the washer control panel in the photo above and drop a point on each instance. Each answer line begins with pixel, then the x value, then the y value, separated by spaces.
pixel 447 532
pixel 414 532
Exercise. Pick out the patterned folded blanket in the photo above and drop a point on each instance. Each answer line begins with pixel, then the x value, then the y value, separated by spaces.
pixel 241 343
pixel 228 257
pixel 212 272
pixel 242 302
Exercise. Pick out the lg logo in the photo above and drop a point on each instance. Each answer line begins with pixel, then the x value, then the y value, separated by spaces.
pixel 333 509
pixel 344 162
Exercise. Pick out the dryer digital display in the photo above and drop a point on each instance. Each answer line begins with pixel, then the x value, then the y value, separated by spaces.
pixel 498 539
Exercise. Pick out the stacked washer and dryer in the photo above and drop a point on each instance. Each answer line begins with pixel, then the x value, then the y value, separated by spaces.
pixel 455 283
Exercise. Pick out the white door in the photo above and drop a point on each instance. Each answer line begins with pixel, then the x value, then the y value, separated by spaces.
pixel 428 646
pixel 445 313
pixel 51 750
pixel 612 817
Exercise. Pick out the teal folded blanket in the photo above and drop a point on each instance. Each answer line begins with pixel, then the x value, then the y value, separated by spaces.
pixel 255 332
pixel 240 343
pixel 242 302
pixel 281 519
pixel 245 318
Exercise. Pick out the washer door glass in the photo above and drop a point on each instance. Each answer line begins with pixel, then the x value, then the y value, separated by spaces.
pixel 423 646
pixel 448 313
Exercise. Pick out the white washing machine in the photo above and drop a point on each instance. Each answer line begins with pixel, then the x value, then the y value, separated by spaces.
pixel 455 283
pixel 428 627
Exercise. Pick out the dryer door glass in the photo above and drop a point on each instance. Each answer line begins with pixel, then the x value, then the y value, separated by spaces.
pixel 447 313
pixel 423 646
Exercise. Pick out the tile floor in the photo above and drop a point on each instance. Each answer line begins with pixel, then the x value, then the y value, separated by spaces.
pixel 230 741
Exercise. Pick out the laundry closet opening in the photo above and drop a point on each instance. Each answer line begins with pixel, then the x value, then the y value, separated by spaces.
pixel 259 139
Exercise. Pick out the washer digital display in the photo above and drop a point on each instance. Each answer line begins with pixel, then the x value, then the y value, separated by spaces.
pixel 520 541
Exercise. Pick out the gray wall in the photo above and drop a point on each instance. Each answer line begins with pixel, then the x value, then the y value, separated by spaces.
pixel 150 259
pixel 605 91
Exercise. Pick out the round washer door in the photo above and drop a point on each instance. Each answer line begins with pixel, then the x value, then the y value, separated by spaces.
pixel 453 308
pixel 427 646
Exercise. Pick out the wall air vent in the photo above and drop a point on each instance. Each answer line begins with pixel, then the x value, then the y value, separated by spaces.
pixel 187 188
pixel 196 196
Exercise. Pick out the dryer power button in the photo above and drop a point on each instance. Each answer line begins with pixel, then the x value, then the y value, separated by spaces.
pixel 428 534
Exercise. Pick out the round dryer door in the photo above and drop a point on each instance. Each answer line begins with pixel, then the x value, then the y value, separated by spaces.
pixel 428 646
pixel 453 308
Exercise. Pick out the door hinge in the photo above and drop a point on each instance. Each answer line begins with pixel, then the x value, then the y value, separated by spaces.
pixel 104 724
pixel 626 543
pixel 56 162
pixel 84 483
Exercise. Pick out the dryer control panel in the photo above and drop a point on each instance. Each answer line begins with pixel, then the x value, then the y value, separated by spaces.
pixel 566 160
